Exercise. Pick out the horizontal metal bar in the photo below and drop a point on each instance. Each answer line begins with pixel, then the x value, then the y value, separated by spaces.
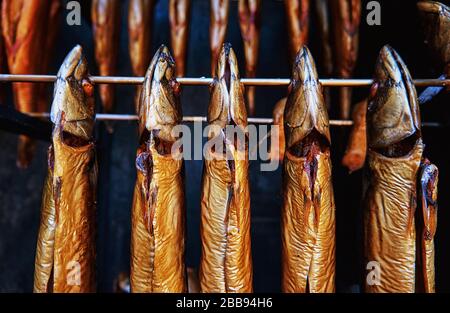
pixel 335 82
pixel 191 119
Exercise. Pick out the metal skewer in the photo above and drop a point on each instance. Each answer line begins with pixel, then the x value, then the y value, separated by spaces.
pixel 207 81
pixel 194 119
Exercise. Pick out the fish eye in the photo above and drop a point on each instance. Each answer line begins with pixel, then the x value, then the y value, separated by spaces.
pixel 88 88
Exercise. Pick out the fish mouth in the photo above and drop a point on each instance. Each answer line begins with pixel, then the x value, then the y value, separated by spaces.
pixel 72 108
pixel 393 115
pixel 306 116
pixel 159 110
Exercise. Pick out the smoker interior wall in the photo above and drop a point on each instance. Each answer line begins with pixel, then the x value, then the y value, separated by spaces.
pixel 20 191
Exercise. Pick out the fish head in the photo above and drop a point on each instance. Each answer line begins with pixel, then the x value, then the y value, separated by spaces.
pixel 435 18
pixel 305 110
pixel 227 102
pixel 159 107
pixel 73 96
pixel 393 112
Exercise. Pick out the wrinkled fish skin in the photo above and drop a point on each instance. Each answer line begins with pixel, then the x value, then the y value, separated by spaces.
pixel 393 159
pixel 106 28
pixel 179 12
pixel 226 261
pixel 65 254
pixel 250 23
pixel 219 10
pixel 158 213
pixel 426 227
pixel 297 13
pixel 24 28
pixel 436 25
pixel 347 16
pixel 308 212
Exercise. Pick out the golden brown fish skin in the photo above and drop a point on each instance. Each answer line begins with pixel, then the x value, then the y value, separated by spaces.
pixel 65 254
pixel 347 16
pixel 23 28
pixel 219 10
pixel 105 16
pixel 226 261
pixel 355 154
pixel 140 18
pixel 277 151
pixel 426 227
pixel 158 213
pixel 179 13
pixel 307 217
pixel 297 13
pixel 393 159
pixel 250 24
pixel 53 20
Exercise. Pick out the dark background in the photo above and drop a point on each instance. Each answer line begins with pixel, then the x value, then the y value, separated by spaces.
pixel 20 190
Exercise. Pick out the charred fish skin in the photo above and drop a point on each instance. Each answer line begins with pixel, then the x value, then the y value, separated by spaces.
pixel 23 30
pixel 347 17
pixel 219 10
pixel 393 159
pixel 308 211
pixel 106 29
pixel 250 24
pixel 426 226
pixel 179 13
pixel 158 213
pixel 436 25
pixel 297 13
pixel 226 261
pixel 65 255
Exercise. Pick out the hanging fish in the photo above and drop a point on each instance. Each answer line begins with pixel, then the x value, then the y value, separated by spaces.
pixel 355 154
pixel 158 213
pixel 226 261
pixel 250 24
pixel 435 18
pixel 24 29
pixel 322 9
pixel 297 14
pixel 140 18
pixel 179 12
pixel 427 224
pixel 53 25
pixel 346 19
pixel 308 212
pixel 217 29
pixel 393 163
pixel 65 253
pixel 105 16
pixel 278 145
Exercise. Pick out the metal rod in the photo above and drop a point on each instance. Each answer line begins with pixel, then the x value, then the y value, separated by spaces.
pixel 193 119
pixel 206 81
